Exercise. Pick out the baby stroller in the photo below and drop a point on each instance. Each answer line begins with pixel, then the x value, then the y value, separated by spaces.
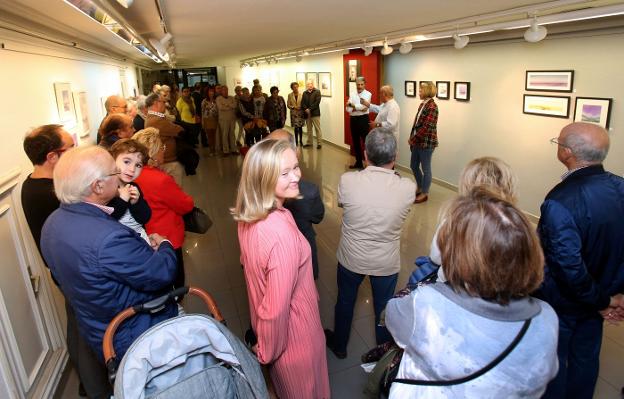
pixel 188 356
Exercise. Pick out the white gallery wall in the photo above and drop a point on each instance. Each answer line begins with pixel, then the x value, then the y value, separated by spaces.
pixel 284 73
pixel 492 122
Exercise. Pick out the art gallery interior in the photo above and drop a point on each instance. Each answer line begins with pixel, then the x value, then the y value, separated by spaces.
pixel 58 65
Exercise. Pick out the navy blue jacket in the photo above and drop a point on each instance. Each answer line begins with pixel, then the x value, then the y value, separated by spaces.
pixel 582 233
pixel 104 267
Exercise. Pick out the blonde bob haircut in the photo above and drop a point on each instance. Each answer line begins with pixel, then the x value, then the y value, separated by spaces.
pixel 77 169
pixel 428 89
pixel 150 139
pixel 256 190
pixel 489 248
pixel 491 172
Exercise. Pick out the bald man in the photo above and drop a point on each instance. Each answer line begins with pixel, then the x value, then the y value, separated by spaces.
pixel 582 233
pixel 308 209
pixel 114 105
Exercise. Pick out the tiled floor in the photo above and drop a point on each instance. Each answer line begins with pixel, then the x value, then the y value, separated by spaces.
pixel 212 263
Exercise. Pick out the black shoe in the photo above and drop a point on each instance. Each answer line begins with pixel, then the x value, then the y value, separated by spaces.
pixel 307 145
pixel 318 146
pixel 329 341
pixel 81 391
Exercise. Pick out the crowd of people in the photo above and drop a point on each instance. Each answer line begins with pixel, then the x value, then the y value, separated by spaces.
pixel 507 311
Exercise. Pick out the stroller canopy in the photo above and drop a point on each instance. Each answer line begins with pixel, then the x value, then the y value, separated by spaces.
pixel 191 356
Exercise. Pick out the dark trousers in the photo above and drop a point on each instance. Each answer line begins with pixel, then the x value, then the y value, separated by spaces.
pixel 91 371
pixel 180 279
pixel 359 131
pixel 348 284
pixel 579 352
pixel 299 136
pixel 191 132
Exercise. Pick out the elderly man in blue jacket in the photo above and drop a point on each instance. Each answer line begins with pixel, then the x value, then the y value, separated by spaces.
pixel 582 232
pixel 101 265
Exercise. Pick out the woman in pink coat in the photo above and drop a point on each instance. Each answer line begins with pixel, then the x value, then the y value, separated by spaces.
pixel 276 257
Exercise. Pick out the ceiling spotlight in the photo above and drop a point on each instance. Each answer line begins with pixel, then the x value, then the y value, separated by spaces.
pixel 368 50
pixel 306 53
pixel 268 61
pixel 535 33
pixel 460 41
pixel 298 58
pixel 405 48
pixel 125 3
pixel 161 46
pixel 275 60
pixel 386 50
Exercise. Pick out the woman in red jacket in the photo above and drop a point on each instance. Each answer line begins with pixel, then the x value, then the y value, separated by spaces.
pixel 166 199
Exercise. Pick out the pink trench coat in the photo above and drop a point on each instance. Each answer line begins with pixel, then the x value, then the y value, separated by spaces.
pixel 283 305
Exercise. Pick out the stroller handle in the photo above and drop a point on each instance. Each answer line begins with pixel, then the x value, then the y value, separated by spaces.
pixel 152 306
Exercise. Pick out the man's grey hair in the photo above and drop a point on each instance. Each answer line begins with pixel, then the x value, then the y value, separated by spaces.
pixel 388 90
pixel 151 100
pixel 360 79
pixel 77 169
pixel 584 150
pixel 381 147
pixel 140 102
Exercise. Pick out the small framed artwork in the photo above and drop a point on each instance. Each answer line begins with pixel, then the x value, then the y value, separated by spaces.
pixel 313 76
pixel 301 80
pixel 555 106
pixel 410 88
pixel 82 113
pixel 65 103
pixel 353 70
pixel 593 110
pixel 462 91
pixel 562 81
pixel 325 84
pixel 442 88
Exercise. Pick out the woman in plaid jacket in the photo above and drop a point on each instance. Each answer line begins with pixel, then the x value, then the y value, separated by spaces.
pixel 423 140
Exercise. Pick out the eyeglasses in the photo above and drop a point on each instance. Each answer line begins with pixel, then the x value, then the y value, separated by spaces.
pixel 554 140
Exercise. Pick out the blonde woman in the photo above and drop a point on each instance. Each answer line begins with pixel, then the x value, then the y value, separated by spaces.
pixel 423 140
pixel 166 199
pixel 493 173
pixel 277 261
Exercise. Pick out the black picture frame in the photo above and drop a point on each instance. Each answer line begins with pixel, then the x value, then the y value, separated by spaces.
pixel 561 81
pixel 442 83
pixel 462 97
pixel 410 88
pixel 581 114
pixel 531 106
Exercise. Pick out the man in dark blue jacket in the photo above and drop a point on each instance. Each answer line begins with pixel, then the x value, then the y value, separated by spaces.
pixel 102 266
pixel 582 233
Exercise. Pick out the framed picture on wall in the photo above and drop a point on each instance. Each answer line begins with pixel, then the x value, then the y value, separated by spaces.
pixel 353 70
pixel 561 81
pixel 313 76
pixel 443 89
pixel 410 88
pixel 65 103
pixel 301 80
pixel 593 110
pixel 554 106
pixel 462 91
pixel 325 84
pixel 82 113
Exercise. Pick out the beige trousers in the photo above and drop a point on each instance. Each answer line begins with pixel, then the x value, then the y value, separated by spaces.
pixel 316 122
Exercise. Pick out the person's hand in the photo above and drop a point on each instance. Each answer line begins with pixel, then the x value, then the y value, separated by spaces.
pixel 372 125
pixel 364 102
pixel 124 192
pixel 134 194
pixel 614 313
pixel 254 349
pixel 155 240
pixel 307 111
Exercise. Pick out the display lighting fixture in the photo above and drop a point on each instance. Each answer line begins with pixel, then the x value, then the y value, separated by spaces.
pixel 386 50
pixel 125 3
pixel 535 33
pixel 95 13
pixel 298 58
pixel 459 42
pixel 405 47
pixel 161 46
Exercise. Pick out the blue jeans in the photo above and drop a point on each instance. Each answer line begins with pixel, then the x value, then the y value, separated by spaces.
pixel 421 158
pixel 578 352
pixel 348 284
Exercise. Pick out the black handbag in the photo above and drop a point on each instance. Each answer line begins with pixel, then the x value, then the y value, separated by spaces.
pixel 197 221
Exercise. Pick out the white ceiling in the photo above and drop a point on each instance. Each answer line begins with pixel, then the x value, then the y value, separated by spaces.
pixel 208 31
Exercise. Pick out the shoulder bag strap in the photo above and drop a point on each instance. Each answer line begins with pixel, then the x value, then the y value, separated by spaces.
pixel 476 374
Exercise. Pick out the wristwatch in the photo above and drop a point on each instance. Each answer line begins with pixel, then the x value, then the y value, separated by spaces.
pixel 377 124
